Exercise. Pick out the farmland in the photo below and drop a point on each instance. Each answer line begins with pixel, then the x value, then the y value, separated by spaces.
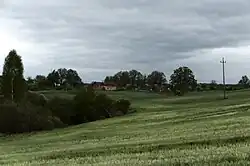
pixel 197 129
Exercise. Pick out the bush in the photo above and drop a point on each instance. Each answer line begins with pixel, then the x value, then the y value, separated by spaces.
pixel 35 98
pixel 10 119
pixel 103 105
pixel 122 105
pixel 25 117
pixel 62 108
pixel 36 113
pixel 84 106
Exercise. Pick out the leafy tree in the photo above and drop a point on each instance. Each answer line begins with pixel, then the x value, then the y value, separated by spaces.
pixel 64 77
pixel 62 72
pixel 156 78
pixel 40 78
pixel 245 82
pixel 13 80
pixel 122 78
pixel 53 77
pixel 135 78
pixel 73 78
pixel 109 79
pixel 182 80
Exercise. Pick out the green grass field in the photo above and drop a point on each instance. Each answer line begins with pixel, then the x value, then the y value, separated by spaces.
pixel 197 129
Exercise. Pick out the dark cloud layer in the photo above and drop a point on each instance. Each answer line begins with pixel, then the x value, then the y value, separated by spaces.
pixel 100 37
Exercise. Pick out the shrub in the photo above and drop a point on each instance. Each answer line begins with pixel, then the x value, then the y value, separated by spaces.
pixel 84 106
pixel 122 105
pixel 25 117
pixel 36 113
pixel 35 98
pixel 103 105
pixel 62 108
pixel 10 119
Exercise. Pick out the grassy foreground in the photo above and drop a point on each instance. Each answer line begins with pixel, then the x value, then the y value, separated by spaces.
pixel 198 129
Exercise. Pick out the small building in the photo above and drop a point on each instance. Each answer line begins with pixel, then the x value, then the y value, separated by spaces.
pixel 109 87
pixel 103 86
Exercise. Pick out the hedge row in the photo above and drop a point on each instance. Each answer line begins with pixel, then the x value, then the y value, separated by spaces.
pixel 36 112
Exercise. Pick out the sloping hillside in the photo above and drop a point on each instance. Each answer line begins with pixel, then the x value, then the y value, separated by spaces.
pixel 197 129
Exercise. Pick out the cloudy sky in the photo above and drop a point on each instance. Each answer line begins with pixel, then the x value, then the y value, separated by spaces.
pixel 101 37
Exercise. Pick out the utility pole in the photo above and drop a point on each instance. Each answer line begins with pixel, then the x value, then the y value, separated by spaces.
pixel 223 74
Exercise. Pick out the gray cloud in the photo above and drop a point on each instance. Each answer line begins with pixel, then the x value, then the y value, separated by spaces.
pixel 99 37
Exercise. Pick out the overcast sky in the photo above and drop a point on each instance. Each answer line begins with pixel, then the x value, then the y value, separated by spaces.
pixel 100 37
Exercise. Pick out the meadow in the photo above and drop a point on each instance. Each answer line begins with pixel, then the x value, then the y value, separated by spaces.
pixel 197 129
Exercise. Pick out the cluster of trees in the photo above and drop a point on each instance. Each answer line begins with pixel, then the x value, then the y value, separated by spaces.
pixel 60 79
pixel 181 81
pixel 22 110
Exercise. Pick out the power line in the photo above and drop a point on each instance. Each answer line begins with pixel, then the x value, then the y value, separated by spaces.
pixel 223 75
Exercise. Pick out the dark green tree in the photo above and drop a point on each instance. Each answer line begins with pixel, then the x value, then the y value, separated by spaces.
pixel 109 79
pixel 72 78
pixel 122 78
pixel 156 79
pixel 53 77
pixel 13 80
pixel 62 72
pixel 135 78
pixel 63 76
pixel 182 80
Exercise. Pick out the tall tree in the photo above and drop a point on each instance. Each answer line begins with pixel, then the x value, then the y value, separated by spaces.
pixel 62 72
pixel 64 76
pixel 182 80
pixel 13 80
pixel 53 77
pixel 73 78
pixel 156 78
pixel 135 77
pixel 109 79
pixel 122 78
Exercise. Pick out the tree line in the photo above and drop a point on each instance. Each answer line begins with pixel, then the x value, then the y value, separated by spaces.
pixel 61 78
pixel 181 81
